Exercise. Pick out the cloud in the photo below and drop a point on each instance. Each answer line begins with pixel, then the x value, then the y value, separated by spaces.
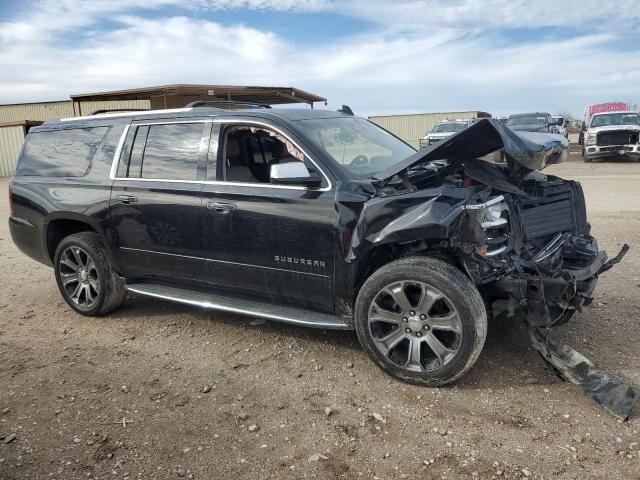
pixel 423 56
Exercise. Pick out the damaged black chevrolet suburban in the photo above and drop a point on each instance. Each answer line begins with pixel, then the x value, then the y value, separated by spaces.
pixel 320 219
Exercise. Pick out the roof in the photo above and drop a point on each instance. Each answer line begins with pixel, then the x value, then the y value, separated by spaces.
pixel 270 95
pixel 529 113
pixel 632 112
pixel 290 114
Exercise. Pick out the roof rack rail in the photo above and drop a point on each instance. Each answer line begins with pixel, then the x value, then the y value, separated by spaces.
pixel 206 103
pixel 109 110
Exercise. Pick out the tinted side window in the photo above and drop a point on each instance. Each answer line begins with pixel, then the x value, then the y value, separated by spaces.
pixel 171 151
pixel 60 153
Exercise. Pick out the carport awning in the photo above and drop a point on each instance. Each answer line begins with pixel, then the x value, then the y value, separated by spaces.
pixel 252 94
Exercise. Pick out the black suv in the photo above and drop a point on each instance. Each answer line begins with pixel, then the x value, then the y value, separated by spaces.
pixel 315 218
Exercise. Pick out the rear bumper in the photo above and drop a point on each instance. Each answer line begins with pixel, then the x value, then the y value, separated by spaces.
pixel 604 151
pixel 28 238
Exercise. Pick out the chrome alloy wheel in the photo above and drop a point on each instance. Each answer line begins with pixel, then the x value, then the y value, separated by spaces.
pixel 415 326
pixel 79 277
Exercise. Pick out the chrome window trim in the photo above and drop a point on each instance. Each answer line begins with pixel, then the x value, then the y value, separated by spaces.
pixel 118 153
pixel 123 137
pixel 131 113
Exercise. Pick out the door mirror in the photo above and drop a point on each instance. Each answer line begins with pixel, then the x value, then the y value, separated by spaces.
pixel 293 173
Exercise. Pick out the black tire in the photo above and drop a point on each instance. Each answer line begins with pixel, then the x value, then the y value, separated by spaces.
pixel 456 287
pixel 584 157
pixel 111 290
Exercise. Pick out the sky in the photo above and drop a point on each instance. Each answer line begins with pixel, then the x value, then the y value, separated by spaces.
pixel 404 56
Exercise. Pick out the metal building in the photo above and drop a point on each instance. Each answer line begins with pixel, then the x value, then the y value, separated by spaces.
pixel 179 95
pixel 412 127
pixel 40 111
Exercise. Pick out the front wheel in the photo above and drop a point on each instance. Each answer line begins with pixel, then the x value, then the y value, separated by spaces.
pixel 421 320
pixel 85 277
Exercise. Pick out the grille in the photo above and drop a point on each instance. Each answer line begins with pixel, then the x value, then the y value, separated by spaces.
pixel 552 208
pixel 543 220
pixel 618 137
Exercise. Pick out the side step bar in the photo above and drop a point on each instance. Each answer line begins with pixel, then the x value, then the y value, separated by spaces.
pixel 226 303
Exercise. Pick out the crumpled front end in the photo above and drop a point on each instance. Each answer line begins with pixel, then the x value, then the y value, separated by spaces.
pixel 521 235
pixel 537 261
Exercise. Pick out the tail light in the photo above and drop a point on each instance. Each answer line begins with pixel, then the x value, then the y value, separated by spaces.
pixel 11 196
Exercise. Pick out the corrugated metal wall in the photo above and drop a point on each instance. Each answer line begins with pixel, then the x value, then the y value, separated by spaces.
pixel 53 110
pixel 411 128
pixel 35 111
pixel 11 140
pixel 86 108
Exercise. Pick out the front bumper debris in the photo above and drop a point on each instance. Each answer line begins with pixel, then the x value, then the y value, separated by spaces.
pixel 608 390
pixel 557 283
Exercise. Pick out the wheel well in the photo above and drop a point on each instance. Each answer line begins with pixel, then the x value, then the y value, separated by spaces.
pixel 384 254
pixel 61 228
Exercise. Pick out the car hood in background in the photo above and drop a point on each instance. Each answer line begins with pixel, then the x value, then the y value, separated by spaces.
pixel 530 150
pixel 532 127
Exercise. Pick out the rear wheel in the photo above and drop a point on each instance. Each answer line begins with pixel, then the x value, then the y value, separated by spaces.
pixel 421 320
pixel 85 276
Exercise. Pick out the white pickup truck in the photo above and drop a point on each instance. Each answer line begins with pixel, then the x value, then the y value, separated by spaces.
pixel 445 129
pixel 612 134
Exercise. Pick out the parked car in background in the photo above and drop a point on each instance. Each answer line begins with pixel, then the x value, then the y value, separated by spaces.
pixel 560 125
pixel 591 110
pixel 531 122
pixel 444 129
pixel 612 134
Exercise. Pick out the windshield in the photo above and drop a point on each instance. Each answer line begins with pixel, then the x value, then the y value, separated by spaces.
pixel 448 127
pixel 356 144
pixel 527 120
pixel 615 119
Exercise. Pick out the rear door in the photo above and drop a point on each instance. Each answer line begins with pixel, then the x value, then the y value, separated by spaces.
pixel 271 241
pixel 155 208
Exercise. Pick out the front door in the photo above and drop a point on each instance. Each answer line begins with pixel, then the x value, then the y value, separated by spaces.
pixel 156 209
pixel 270 241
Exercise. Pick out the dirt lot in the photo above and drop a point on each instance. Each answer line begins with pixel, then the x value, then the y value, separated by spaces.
pixel 158 390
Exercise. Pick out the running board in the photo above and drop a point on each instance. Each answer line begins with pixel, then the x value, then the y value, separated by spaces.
pixel 226 303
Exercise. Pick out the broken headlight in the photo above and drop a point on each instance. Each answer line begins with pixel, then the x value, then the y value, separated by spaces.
pixel 495 223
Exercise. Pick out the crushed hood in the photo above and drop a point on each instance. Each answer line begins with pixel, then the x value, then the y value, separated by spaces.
pixel 529 150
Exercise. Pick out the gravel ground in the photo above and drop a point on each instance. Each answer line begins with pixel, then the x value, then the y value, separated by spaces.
pixel 159 390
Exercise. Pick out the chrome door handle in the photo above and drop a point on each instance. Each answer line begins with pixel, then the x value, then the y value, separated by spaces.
pixel 126 199
pixel 220 207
